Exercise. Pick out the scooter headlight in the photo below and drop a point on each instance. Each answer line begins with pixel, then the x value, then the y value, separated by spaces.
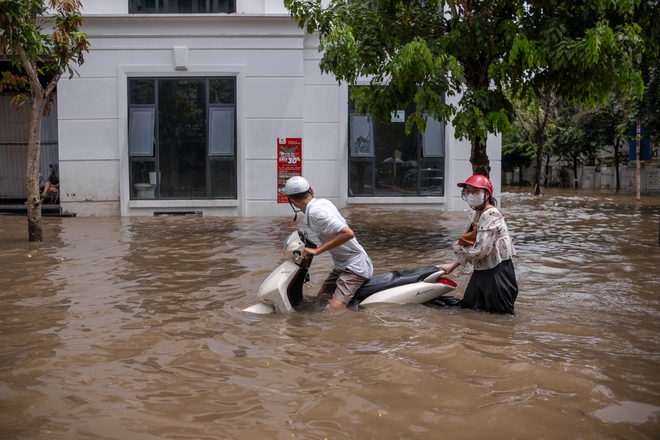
pixel 286 243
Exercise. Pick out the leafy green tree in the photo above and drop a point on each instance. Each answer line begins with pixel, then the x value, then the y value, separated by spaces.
pixel 649 107
pixel 569 141
pixel 536 120
pixel 422 50
pixel 608 125
pixel 41 44
pixel 648 110
pixel 517 153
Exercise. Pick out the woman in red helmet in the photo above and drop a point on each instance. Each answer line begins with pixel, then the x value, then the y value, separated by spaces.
pixel 488 247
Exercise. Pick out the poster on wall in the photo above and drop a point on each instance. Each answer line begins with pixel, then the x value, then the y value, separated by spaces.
pixel 289 163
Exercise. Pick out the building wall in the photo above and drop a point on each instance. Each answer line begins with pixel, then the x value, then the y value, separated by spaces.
pixel 280 93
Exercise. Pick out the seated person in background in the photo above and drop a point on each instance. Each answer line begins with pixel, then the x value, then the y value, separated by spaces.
pixel 53 183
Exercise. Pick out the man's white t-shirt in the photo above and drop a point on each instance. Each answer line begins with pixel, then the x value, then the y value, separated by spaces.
pixel 323 218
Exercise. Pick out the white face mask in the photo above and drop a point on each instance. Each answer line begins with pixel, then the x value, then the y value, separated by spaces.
pixel 475 200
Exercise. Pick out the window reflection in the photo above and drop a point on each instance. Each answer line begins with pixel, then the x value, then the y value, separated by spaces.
pixel 394 163
pixel 181 6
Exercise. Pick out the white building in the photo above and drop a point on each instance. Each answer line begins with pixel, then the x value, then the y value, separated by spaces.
pixel 133 137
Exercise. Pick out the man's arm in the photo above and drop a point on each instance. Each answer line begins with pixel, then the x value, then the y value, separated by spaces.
pixel 342 237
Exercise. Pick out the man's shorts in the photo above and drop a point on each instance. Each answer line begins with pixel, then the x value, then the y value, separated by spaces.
pixel 343 284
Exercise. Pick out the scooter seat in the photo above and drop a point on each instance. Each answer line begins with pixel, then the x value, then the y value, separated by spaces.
pixel 392 279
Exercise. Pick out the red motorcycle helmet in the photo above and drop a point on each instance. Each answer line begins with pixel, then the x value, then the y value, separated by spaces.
pixel 478 181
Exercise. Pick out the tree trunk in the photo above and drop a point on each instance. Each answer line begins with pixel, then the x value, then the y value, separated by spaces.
pixel 547 170
pixel 617 181
pixel 576 185
pixel 32 173
pixel 537 174
pixel 479 158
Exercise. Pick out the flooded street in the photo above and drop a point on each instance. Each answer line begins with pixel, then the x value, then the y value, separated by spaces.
pixel 131 328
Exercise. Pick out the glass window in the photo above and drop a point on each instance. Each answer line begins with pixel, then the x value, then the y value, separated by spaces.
pixel 142 92
pixel 385 161
pixel 181 6
pixel 221 131
pixel 188 134
pixel 222 91
pixel 141 132
pixel 361 136
pixel 433 139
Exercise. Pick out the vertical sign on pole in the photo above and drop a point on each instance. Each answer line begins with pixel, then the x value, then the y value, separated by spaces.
pixel 289 163
pixel 638 142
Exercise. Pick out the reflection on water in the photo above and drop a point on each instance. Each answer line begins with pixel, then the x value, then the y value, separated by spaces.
pixel 131 328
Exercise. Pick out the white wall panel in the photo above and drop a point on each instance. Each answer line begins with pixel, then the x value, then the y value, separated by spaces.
pixel 261 182
pixel 94 7
pixel 89 180
pixel 93 209
pixel 259 62
pixel 207 42
pixel 88 139
pixel 321 103
pixel 260 140
pixel 271 209
pixel 271 6
pixel 461 150
pixel 250 6
pixel 273 98
pixel 323 176
pixel 84 98
pixel 321 142
pixel 313 75
pixel 103 63
pixel 171 27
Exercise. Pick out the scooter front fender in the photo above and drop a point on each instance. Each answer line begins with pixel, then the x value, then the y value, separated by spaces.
pixel 261 309
pixel 273 290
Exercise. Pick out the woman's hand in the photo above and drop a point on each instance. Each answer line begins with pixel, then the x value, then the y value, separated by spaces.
pixel 449 268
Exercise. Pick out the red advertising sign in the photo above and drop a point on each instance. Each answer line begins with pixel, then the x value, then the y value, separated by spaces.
pixel 289 163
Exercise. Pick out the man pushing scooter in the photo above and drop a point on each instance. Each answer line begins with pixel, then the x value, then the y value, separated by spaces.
pixel 352 264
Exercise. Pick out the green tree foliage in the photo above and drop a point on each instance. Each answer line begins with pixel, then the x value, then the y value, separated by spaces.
pixel 570 142
pixel 648 109
pixel 534 120
pixel 420 50
pixel 608 125
pixel 517 153
pixel 41 38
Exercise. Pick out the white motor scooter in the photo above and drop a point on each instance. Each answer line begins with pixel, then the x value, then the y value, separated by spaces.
pixel 282 290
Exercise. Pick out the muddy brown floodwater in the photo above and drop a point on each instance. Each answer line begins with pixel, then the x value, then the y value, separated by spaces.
pixel 131 328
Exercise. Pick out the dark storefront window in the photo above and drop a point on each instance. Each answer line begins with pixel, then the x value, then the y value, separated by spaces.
pixel 181 6
pixel 385 161
pixel 182 138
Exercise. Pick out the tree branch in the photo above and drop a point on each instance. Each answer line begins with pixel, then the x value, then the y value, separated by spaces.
pixel 29 69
